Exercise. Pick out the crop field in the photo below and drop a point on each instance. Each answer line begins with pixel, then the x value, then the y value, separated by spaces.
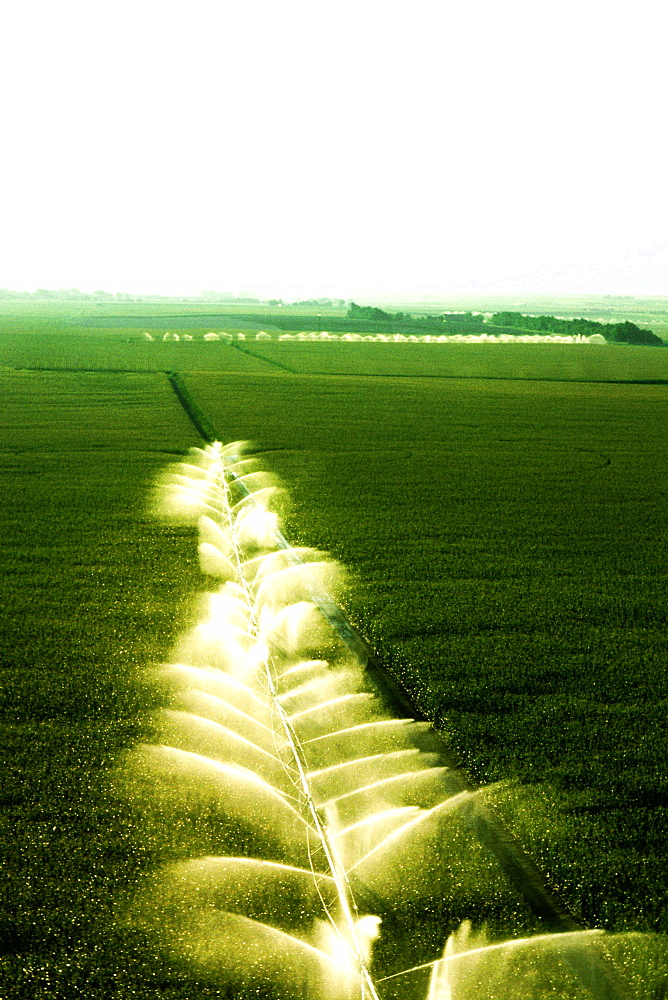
pixel 91 590
pixel 507 544
pixel 128 349
pixel 504 528
pixel 559 362
pixel 116 353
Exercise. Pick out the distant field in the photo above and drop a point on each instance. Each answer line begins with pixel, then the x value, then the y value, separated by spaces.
pixel 125 351
pixel 113 352
pixel 580 362
pixel 508 546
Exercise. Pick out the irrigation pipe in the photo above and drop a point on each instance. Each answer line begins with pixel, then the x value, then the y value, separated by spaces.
pixel 333 862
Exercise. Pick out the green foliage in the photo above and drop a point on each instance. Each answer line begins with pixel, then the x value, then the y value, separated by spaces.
pixel 629 333
pixel 626 332
pixel 372 313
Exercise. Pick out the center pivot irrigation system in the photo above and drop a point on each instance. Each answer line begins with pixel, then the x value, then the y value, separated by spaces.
pixel 318 842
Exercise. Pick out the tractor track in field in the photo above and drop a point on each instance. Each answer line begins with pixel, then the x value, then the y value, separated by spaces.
pixel 594 971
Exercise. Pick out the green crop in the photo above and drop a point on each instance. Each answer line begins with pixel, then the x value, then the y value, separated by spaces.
pixel 507 544
pixel 91 590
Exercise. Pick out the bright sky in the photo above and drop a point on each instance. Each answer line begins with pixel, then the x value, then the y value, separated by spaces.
pixel 308 147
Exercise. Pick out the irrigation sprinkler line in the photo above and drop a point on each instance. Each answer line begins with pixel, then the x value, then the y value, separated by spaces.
pixel 498 946
pixel 518 867
pixel 345 897
pixel 598 975
pixel 595 971
pixel 344 894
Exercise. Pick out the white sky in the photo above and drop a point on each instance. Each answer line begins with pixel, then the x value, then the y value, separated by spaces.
pixel 293 148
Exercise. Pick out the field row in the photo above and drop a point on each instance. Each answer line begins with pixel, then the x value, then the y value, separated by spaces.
pixel 112 353
pixel 559 362
pixel 133 352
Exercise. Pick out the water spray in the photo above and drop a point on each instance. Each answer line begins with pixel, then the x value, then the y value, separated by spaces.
pixel 345 899
pixel 333 806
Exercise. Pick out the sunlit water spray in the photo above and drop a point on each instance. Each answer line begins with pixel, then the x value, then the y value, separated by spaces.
pixel 297 816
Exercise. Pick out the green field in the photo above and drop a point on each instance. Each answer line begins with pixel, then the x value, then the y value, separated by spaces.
pixel 504 528
pixel 91 590
pixel 553 362
pixel 507 544
pixel 114 352
pixel 128 350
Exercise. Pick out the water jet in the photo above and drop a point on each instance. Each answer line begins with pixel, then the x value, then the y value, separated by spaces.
pixel 302 820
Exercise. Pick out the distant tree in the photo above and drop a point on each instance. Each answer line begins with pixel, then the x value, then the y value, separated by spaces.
pixel 625 333
pixel 508 319
pixel 629 333
pixel 373 313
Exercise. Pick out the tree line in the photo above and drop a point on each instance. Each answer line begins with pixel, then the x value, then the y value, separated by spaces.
pixel 621 333
pixel 372 312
